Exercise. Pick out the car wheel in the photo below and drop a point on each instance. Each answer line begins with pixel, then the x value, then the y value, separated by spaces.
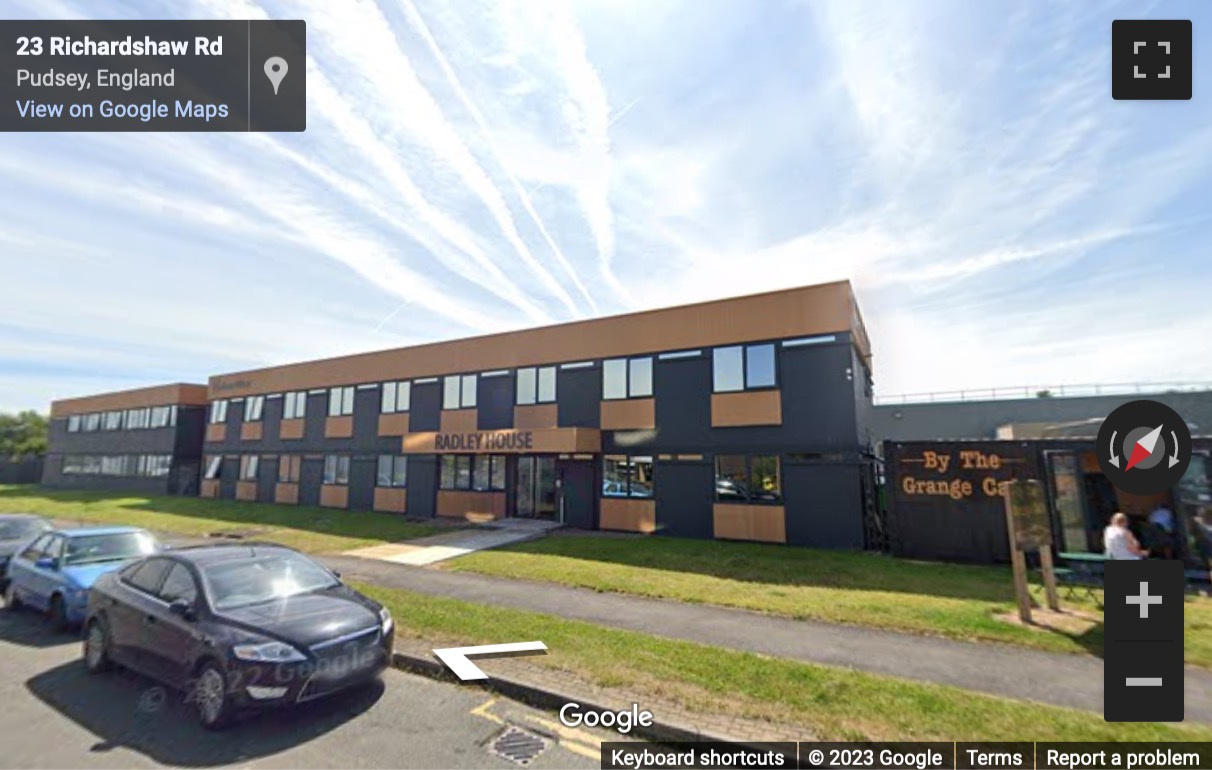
pixel 211 699
pixel 10 597
pixel 96 647
pixel 57 613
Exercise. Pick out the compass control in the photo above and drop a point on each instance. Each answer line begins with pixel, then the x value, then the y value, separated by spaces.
pixel 1144 447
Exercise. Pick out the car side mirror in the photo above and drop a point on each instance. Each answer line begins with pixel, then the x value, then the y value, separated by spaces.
pixel 182 608
pixel 46 562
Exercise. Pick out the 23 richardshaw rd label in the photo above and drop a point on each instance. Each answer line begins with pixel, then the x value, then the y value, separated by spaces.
pixel 153 76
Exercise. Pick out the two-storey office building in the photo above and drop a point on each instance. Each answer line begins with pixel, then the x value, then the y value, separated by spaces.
pixel 147 440
pixel 742 419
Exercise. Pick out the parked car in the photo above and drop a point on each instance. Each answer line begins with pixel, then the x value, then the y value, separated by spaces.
pixel 237 627
pixel 55 571
pixel 17 529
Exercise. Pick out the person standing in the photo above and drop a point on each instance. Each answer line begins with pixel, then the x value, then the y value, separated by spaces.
pixel 1162 521
pixel 1118 541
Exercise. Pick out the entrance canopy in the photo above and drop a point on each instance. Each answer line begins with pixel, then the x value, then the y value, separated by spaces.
pixel 511 441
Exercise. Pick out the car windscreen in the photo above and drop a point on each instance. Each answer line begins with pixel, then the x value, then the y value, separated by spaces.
pixel 234 584
pixel 20 529
pixel 94 549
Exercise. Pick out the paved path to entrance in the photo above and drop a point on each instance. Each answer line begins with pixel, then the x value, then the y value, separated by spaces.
pixel 1075 681
pixel 449 545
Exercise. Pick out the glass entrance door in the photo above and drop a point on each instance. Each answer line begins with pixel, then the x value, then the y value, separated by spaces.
pixel 1069 501
pixel 535 490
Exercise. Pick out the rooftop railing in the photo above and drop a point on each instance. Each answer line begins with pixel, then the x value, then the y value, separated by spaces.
pixel 1045 391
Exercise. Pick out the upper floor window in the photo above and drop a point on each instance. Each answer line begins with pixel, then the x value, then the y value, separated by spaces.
pixel 218 411
pixel 396 397
pixel 537 385
pixel 748 479
pixel 459 391
pixel 295 406
pixel 627 476
pixel 340 401
pixel 92 421
pixel 248 467
pixel 336 469
pixel 743 367
pixel 253 408
pixel 73 423
pixel 393 471
pixel 627 378
pixel 163 416
pixel 113 420
pixel 138 419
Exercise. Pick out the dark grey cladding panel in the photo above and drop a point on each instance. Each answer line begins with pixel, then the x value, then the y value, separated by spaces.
pixel 362 472
pixel 367 406
pixel 267 479
pixel 823 505
pixel 425 409
pixel 494 399
pixel 422 485
pixel 818 394
pixel 580 489
pixel 579 397
pixel 682 388
pixel 684 492
pixel 315 417
pixel 145 441
pixel 311 476
pixel 191 431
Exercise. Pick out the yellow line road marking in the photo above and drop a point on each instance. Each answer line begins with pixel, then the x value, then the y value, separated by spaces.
pixel 482 711
pixel 576 741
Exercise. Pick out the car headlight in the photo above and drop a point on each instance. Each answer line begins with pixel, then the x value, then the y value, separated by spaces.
pixel 386 624
pixel 269 652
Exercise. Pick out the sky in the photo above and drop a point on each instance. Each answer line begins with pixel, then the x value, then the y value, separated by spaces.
pixel 473 166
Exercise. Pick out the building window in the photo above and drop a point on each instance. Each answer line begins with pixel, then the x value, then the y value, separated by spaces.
pixel 748 479
pixel 627 378
pixel 113 421
pixel 396 397
pixel 218 411
pixel 73 424
pixel 295 406
pixel 336 469
pixel 393 471
pixel 163 416
pixel 248 467
pixel 92 422
pixel 627 476
pixel 459 391
pixel 254 406
pixel 479 473
pixel 214 466
pixel 138 419
pixel 288 469
pixel 743 367
pixel 340 401
pixel 537 385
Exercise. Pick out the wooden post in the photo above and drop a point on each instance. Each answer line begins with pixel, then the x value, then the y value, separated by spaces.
pixel 1018 563
pixel 1045 563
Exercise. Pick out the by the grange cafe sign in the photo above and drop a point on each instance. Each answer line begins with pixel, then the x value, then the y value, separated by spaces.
pixel 956 473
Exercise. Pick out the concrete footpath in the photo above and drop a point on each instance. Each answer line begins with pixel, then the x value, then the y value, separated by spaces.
pixel 1074 681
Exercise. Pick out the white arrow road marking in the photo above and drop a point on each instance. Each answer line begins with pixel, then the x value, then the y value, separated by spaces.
pixel 456 660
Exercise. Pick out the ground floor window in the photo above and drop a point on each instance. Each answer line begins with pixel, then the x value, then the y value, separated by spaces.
pixel 393 471
pixel 478 473
pixel 748 479
pixel 336 469
pixel 288 469
pixel 214 467
pixel 248 467
pixel 146 466
pixel 627 476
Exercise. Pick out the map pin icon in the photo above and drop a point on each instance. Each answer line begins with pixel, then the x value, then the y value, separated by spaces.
pixel 275 70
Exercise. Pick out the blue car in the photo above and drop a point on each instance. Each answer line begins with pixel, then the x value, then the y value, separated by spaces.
pixel 55 571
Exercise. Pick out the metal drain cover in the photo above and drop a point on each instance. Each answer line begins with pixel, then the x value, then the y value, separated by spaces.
pixel 518 746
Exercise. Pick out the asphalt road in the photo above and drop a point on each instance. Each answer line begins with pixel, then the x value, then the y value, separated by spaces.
pixel 54 715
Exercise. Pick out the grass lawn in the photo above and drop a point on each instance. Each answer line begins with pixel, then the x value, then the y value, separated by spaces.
pixel 316 530
pixel 830 703
pixel 957 601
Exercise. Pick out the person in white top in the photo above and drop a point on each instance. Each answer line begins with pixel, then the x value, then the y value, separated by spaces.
pixel 1119 542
